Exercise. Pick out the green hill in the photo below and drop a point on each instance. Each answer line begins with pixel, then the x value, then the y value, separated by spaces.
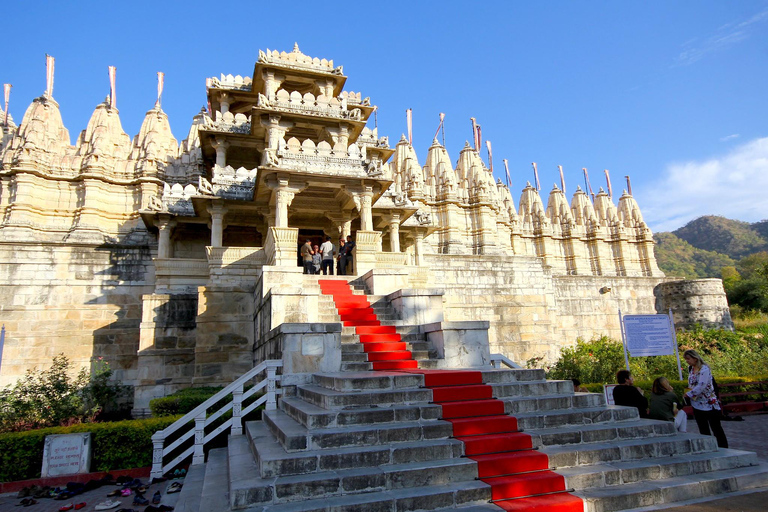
pixel 703 246
pixel 678 258
pixel 725 236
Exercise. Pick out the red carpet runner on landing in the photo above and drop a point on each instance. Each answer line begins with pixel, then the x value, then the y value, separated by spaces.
pixel 519 476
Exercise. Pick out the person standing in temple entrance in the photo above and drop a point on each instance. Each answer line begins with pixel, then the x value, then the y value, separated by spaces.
pixel 346 256
pixel 306 256
pixel 342 248
pixel 327 250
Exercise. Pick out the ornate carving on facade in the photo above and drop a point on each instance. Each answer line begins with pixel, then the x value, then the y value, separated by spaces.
pixel 231 82
pixel 322 158
pixel 230 183
pixel 297 60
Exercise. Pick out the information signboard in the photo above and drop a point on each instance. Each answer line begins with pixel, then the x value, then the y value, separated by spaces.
pixel 66 454
pixel 649 335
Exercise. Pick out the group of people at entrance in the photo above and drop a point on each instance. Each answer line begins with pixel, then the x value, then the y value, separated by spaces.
pixel 317 259
pixel 663 405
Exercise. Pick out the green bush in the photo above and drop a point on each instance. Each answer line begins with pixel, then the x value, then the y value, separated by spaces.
pixel 729 354
pixel 181 402
pixel 52 397
pixel 117 445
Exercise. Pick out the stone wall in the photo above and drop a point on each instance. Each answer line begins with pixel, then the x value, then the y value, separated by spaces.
pixel 82 300
pixel 695 302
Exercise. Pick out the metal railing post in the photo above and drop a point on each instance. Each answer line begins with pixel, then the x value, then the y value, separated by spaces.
pixel 237 409
pixel 157 455
pixel 271 404
pixel 199 456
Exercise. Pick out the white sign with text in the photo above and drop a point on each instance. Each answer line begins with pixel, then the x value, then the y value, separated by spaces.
pixel 649 335
pixel 66 454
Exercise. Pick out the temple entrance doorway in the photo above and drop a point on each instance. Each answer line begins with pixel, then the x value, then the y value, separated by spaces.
pixel 316 236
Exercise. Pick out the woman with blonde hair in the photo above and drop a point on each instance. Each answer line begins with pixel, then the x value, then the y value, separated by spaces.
pixel 663 405
pixel 706 406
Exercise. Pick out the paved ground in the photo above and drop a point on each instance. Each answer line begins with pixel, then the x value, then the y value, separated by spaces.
pixel 750 434
pixel 9 502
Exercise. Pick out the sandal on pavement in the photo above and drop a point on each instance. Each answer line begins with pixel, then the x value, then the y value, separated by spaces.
pixel 106 505
pixel 173 487
pixel 78 506
pixel 68 506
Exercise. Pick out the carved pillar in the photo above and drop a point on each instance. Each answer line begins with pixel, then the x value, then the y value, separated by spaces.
pixel 344 134
pixel 366 217
pixel 164 224
pixel 283 199
pixel 394 233
pixel 224 102
pixel 217 211
pixel 418 246
pixel 221 145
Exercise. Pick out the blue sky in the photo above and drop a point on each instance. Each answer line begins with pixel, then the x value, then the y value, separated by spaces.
pixel 672 94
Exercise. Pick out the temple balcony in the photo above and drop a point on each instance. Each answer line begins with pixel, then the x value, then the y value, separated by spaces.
pixel 307 104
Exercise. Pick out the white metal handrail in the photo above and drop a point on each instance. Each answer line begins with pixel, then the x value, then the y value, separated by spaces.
pixel 202 419
pixel 498 359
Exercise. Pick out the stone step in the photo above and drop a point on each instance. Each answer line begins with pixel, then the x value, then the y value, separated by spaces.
pixel 295 437
pixel 330 399
pixel 656 468
pixel 312 416
pixel 573 416
pixel 364 381
pixel 582 453
pixel 505 390
pixel 214 495
pixel 191 492
pixel 273 460
pixel 354 367
pixel 675 489
pixel 465 496
pixel 497 376
pixel 516 405
pixel 602 432
pixel 252 490
pixel 400 328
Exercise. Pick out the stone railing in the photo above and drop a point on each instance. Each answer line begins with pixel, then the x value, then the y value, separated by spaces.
pixel 230 183
pixel 230 123
pixel 309 104
pixel 298 60
pixel 280 246
pixel 181 271
pixel 500 359
pixel 162 449
pixel 391 259
pixel 227 256
pixel 307 157
pixel 242 83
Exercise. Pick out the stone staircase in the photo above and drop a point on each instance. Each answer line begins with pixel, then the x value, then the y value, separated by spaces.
pixel 483 440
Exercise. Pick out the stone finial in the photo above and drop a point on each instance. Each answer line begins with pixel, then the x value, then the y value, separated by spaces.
pixel 296 48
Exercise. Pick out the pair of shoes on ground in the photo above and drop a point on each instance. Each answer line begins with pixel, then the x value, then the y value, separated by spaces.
pixel 27 502
pixel 173 487
pixel 179 473
pixel 158 508
pixel 157 498
pixel 139 499
pixel 107 505
pixel 70 506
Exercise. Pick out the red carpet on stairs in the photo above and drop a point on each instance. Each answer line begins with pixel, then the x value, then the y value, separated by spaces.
pixel 519 476
pixel 382 344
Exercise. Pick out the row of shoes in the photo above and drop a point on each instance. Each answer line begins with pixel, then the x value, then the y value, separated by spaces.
pixel 70 506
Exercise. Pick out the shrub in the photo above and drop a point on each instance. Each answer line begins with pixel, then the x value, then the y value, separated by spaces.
pixel 52 397
pixel 181 402
pixel 729 354
pixel 117 445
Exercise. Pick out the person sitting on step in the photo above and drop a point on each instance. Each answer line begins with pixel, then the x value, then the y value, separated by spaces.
pixel 629 395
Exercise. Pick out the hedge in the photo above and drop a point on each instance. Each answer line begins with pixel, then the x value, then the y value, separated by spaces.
pixel 679 386
pixel 115 445
pixel 181 402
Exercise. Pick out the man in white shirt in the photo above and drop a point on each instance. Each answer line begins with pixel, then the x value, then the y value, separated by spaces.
pixel 327 251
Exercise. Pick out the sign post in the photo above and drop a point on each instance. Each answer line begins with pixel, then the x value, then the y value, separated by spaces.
pixel 649 335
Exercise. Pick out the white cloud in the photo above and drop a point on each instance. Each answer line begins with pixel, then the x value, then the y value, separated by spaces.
pixel 729 137
pixel 734 185
pixel 729 34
